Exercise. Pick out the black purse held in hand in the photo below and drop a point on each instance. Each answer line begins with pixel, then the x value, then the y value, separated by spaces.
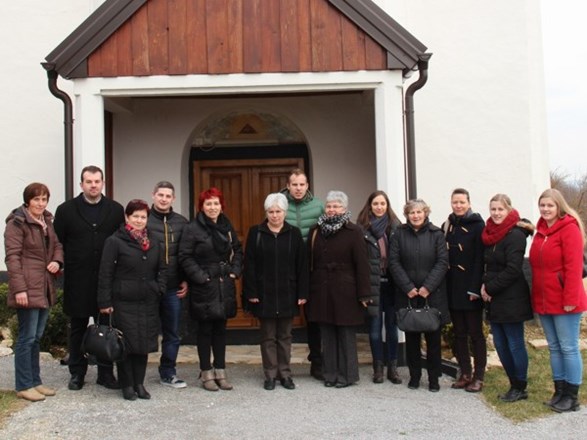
pixel 423 320
pixel 104 342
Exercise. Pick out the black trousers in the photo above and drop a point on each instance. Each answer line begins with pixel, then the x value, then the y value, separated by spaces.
pixel 212 340
pixel 314 340
pixel 340 358
pixel 469 323
pixel 433 355
pixel 78 363
pixel 132 370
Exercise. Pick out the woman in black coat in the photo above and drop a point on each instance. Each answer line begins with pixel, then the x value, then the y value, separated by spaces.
pixel 506 292
pixel 339 288
pixel 275 283
pixel 378 222
pixel 463 281
pixel 131 282
pixel 418 261
pixel 211 257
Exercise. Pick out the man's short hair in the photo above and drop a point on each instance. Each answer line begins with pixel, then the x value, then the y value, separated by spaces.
pixel 164 184
pixel 91 169
pixel 296 172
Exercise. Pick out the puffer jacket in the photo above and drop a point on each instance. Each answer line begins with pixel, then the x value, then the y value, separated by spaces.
pixel 275 271
pixel 132 281
pixel 166 229
pixel 212 291
pixel 465 256
pixel 303 214
pixel 556 258
pixel 504 277
pixel 420 259
pixel 28 252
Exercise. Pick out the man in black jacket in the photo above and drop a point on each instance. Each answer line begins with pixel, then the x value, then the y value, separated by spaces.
pixel 82 225
pixel 166 226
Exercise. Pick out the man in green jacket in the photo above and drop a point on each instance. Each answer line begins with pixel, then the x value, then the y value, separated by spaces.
pixel 303 212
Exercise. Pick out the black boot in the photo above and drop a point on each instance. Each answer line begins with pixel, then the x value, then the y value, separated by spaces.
pixel 559 386
pixel 129 393
pixel 142 393
pixel 569 400
pixel 377 372
pixel 516 392
pixel 392 374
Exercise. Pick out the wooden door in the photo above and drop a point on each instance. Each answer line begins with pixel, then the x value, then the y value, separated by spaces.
pixel 245 184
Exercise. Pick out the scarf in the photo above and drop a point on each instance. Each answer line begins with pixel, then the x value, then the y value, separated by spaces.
pixel 219 232
pixel 331 225
pixel 140 236
pixel 493 233
pixel 40 220
pixel 378 225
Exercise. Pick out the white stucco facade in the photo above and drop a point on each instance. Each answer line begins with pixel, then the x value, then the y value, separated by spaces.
pixel 480 119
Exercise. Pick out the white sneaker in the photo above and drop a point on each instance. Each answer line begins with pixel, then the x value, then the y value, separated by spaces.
pixel 173 382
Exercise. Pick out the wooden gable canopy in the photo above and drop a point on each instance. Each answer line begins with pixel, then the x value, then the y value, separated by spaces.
pixel 177 37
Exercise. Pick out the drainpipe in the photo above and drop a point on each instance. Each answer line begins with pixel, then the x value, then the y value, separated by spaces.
pixel 68 126
pixel 409 121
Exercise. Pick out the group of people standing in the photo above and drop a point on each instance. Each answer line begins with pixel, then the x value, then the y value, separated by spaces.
pixel 137 263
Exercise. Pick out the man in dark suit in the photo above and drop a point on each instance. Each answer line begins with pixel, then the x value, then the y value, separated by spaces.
pixel 82 225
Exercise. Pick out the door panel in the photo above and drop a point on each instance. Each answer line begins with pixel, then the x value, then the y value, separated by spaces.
pixel 245 184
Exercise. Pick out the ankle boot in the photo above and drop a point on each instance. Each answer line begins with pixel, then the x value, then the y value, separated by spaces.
pixel 569 400
pixel 208 380
pixel 559 386
pixel 129 393
pixel 221 381
pixel 141 391
pixel 377 372
pixel 516 392
pixel 392 374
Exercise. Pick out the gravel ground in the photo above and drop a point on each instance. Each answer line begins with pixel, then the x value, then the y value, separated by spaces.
pixel 364 411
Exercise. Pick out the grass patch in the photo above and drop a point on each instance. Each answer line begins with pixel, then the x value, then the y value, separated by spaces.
pixel 540 387
pixel 9 404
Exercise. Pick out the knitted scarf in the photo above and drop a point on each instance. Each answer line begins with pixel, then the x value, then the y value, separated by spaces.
pixel 140 236
pixel 378 225
pixel 219 231
pixel 331 225
pixel 493 233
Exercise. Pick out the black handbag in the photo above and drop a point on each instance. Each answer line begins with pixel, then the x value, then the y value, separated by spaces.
pixel 104 342
pixel 423 320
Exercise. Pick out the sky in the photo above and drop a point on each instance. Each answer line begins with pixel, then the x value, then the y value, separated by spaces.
pixel 564 29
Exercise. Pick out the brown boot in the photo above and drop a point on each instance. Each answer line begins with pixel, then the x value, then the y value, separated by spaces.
pixel 377 372
pixel 31 395
pixel 207 378
pixel 392 374
pixel 461 382
pixel 220 376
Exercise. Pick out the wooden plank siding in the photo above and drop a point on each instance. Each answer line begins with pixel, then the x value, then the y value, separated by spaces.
pixel 178 37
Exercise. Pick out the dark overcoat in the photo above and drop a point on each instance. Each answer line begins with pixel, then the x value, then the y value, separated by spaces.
pixel 83 242
pixel 465 256
pixel 275 271
pixel 339 276
pixel 420 259
pixel 28 252
pixel 132 281
pixel 212 291
pixel 505 281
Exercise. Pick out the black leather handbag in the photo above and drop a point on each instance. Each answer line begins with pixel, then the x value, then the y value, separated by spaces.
pixel 422 320
pixel 104 342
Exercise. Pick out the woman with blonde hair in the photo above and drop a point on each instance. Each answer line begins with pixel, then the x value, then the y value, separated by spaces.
pixel 558 294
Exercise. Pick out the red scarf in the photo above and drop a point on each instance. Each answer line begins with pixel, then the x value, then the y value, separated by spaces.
pixel 493 233
pixel 140 236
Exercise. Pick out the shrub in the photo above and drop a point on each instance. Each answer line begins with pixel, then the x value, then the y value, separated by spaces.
pixel 5 311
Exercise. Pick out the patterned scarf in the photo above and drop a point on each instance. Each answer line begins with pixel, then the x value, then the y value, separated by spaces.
pixel 331 225
pixel 140 236
pixel 493 233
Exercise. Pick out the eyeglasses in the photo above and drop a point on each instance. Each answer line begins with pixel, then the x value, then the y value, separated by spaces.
pixel 333 206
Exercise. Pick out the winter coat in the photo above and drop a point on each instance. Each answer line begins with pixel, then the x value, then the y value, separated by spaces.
pixel 212 291
pixel 303 214
pixel 83 242
pixel 339 276
pixel 504 277
pixel 28 252
pixel 275 271
pixel 420 259
pixel 465 256
pixel 132 281
pixel 556 257
pixel 166 229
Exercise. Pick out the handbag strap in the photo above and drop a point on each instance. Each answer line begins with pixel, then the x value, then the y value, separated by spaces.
pixel 426 306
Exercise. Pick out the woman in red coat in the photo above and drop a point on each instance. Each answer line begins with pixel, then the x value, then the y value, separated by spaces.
pixel 558 295
pixel 33 259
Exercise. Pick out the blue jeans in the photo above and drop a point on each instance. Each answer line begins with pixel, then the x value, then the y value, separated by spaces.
pixel 562 334
pixel 170 313
pixel 386 306
pixel 31 325
pixel 510 345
